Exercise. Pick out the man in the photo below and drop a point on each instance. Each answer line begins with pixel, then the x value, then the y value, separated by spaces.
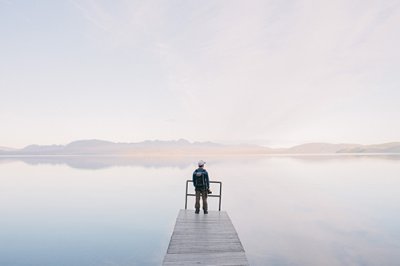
pixel 202 186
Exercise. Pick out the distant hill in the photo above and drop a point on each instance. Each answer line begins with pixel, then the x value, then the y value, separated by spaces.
pixel 320 148
pixel 391 147
pixel 184 147
pixel 156 147
pixel 6 149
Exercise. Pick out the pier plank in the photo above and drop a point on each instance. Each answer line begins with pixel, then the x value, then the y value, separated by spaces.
pixel 204 239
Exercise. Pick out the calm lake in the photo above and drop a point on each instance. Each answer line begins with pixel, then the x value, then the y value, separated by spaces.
pixel 287 210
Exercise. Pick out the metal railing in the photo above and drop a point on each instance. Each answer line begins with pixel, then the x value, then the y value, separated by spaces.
pixel 209 195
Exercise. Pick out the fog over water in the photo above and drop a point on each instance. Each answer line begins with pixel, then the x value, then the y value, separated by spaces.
pixel 288 210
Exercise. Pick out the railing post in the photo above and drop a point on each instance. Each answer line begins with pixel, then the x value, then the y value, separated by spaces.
pixel 220 195
pixel 186 194
pixel 217 196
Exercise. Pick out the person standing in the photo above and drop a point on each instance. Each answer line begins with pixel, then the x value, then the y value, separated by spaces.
pixel 202 186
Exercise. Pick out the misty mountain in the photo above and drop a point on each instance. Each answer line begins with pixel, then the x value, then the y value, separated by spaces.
pixel 6 149
pixel 320 148
pixel 184 147
pixel 391 147
pixel 156 147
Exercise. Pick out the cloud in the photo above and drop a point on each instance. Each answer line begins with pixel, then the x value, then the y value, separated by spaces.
pixel 273 70
pixel 93 13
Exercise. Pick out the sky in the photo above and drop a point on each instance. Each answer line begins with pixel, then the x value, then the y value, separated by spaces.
pixel 274 73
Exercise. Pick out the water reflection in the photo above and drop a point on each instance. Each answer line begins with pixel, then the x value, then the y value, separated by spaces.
pixel 288 210
pixel 181 162
pixel 102 162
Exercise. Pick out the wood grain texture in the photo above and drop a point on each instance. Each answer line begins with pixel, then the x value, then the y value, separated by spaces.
pixel 204 239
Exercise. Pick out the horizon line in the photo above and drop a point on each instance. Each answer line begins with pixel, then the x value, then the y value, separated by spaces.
pixel 225 143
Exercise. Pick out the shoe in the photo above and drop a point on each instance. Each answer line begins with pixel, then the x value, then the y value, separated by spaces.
pixel 197 211
pixel 205 212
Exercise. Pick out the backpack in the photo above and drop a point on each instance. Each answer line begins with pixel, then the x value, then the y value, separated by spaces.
pixel 199 181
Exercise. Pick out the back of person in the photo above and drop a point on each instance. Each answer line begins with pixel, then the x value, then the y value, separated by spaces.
pixel 202 186
pixel 199 179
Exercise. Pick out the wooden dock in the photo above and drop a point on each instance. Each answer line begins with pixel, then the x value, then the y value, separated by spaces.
pixel 204 239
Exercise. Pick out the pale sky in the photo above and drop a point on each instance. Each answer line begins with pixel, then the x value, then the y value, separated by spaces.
pixel 276 73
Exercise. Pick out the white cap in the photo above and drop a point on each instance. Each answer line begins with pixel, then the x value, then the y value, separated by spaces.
pixel 201 163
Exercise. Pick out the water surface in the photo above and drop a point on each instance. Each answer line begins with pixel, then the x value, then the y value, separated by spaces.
pixel 288 210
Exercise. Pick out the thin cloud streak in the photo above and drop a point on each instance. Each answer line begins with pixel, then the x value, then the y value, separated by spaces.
pixel 278 71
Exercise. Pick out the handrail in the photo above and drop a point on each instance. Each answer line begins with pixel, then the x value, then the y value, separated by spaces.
pixel 209 195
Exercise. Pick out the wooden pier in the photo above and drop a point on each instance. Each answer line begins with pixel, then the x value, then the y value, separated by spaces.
pixel 204 239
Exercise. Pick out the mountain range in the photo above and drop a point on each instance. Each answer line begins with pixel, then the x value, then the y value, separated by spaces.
pixel 184 147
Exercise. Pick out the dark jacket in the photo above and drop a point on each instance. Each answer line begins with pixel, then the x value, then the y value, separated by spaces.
pixel 204 179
